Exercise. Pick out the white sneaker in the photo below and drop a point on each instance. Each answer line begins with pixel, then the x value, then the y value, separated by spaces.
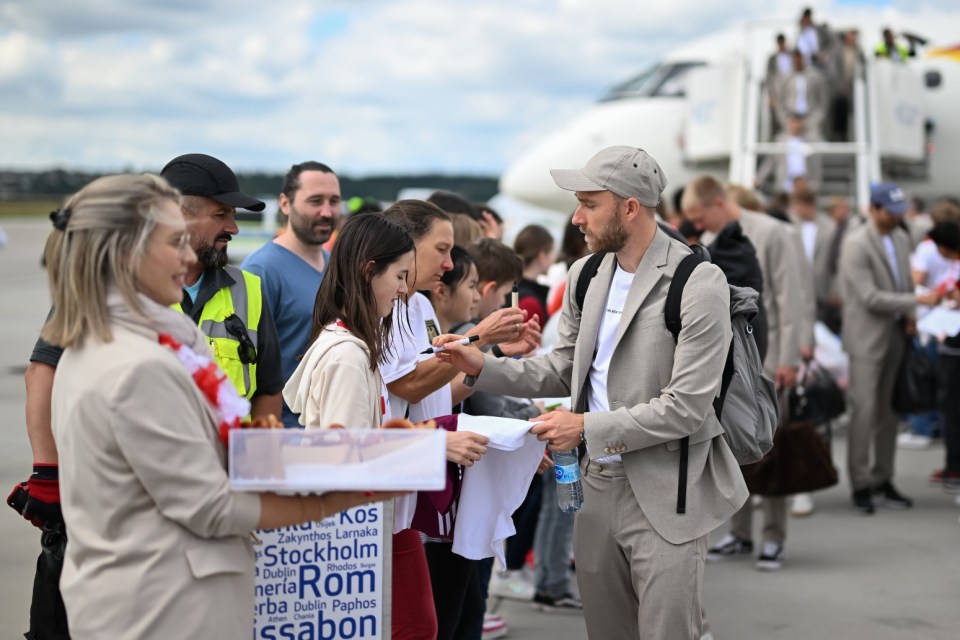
pixel 494 626
pixel 910 440
pixel 511 584
pixel 801 505
pixel 772 557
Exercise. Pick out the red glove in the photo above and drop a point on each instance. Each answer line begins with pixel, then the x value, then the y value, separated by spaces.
pixel 18 497
pixel 42 506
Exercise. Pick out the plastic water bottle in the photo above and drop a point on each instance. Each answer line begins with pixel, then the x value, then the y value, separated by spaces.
pixel 569 490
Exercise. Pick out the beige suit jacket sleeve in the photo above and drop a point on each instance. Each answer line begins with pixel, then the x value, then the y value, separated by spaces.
pixel 159 425
pixel 808 297
pixel 789 292
pixel 698 361
pixel 860 281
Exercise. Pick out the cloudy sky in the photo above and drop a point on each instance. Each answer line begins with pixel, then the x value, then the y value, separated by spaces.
pixel 368 86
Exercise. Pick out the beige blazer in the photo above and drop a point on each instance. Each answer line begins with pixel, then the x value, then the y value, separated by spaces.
pixel 818 100
pixel 873 304
pixel 657 392
pixel 159 546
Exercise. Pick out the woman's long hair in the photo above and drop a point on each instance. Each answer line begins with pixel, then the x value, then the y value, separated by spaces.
pixel 346 293
pixel 99 238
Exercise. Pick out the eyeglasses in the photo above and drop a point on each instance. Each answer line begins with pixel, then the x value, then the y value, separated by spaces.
pixel 235 327
pixel 183 243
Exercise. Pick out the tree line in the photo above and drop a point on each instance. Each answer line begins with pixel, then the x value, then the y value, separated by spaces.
pixel 55 183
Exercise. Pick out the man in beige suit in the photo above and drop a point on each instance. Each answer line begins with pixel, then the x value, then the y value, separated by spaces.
pixel 816 233
pixel 789 335
pixel 878 306
pixel 635 395
pixel 804 93
pixel 796 162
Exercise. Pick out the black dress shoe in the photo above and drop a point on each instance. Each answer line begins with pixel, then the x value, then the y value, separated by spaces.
pixel 887 495
pixel 863 501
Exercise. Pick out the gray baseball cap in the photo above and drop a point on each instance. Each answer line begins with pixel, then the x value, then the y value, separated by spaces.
pixel 626 171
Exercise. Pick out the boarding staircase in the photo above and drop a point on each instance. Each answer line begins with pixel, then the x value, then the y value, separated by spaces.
pixel 848 168
pixel 728 119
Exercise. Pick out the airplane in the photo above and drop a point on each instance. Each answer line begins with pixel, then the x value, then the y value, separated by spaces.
pixel 698 110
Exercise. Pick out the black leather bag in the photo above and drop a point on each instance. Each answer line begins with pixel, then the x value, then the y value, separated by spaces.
pixel 916 387
pixel 816 398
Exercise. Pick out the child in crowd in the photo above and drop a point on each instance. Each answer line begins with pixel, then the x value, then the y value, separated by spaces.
pixel 573 246
pixel 534 245
pixel 455 297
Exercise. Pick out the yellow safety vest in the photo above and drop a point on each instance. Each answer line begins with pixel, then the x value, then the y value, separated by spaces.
pixel 884 51
pixel 243 299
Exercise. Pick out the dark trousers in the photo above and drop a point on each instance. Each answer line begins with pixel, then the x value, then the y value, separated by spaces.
pixel 456 591
pixel 484 571
pixel 48 617
pixel 525 521
pixel 950 408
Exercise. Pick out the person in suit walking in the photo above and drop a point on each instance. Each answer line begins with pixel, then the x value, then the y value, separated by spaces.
pixel 804 93
pixel 635 395
pixel 797 162
pixel 707 204
pixel 878 313
pixel 145 491
pixel 816 233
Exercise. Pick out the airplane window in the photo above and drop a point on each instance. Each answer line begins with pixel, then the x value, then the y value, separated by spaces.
pixel 640 85
pixel 664 80
pixel 674 84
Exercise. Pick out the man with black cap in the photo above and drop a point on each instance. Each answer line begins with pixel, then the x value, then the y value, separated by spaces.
pixel 878 312
pixel 227 303
pixel 636 394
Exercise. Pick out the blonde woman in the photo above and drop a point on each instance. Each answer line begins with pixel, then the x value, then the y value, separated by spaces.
pixel 159 545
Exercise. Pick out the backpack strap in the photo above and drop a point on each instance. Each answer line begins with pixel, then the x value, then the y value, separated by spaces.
pixel 671 314
pixel 671 311
pixel 586 276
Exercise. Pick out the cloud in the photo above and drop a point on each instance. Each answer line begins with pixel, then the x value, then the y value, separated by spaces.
pixel 369 86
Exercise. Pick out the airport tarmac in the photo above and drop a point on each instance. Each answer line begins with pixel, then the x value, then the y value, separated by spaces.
pixel 892 576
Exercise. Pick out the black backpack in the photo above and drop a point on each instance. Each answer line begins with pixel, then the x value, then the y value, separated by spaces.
pixel 752 418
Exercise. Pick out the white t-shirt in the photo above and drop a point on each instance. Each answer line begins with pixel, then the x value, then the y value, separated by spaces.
pixel 800 106
pixel 809 232
pixel 612 315
pixel 808 43
pixel 784 63
pixel 796 158
pixel 894 263
pixel 926 258
pixel 406 343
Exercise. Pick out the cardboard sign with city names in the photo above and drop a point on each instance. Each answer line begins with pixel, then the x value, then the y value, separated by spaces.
pixel 325 580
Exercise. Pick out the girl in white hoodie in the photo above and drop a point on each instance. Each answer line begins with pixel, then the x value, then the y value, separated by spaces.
pixel 338 380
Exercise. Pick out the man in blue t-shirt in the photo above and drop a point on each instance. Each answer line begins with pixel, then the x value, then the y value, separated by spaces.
pixel 291 267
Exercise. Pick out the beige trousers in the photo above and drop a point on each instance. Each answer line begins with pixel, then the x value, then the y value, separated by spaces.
pixel 873 424
pixel 774 520
pixel 633 583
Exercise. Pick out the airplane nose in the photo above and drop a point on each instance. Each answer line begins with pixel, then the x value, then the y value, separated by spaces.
pixel 527 180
